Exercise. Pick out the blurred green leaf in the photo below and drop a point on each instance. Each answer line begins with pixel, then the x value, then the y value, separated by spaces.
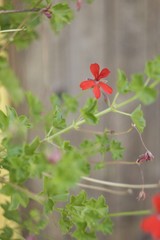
pixel 35 106
pixel 148 95
pixel 70 103
pixel 137 83
pixel 6 233
pixel 89 111
pixel 3 121
pixel 58 121
pixel 62 15
pixel 85 215
pixel 9 80
pixel 152 68
pixel 29 149
pixel 116 149
pixel 138 119
pixel 122 82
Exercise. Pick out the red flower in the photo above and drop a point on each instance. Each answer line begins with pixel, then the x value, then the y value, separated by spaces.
pixel 151 224
pixel 95 83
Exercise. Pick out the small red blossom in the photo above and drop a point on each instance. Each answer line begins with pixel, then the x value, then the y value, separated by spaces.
pixel 95 83
pixel 151 224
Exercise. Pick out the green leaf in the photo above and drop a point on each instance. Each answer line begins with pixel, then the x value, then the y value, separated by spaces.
pixel 29 149
pixel 116 149
pixel 3 121
pixel 86 216
pixel 152 68
pixel 148 95
pixel 6 233
pixel 35 105
pixel 62 15
pixel 138 119
pixel 58 121
pixel 10 214
pixel 89 111
pixel 17 199
pixel 49 206
pixel 62 173
pixel 137 83
pixel 70 103
pixel 9 80
pixel 102 141
pixel 100 165
pixel 122 82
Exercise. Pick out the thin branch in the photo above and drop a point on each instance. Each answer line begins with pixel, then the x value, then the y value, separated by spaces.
pixel 123 185
pixel 19 10
pixel 12 30
pixel 104 189
pixel 21 25
pixel 131 213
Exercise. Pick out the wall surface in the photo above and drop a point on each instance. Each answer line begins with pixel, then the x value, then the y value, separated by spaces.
pixel 116 34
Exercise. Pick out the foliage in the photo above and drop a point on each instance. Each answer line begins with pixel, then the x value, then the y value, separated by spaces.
pixel 57 162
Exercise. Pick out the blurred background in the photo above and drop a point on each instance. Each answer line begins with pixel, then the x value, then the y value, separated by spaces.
pixel 116 34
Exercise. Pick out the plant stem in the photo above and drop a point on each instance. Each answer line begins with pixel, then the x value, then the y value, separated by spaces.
pixel 21 25
pixel 123 113
pixel 11 30
pixel 122 185
pixel 29 194
pixel 126 102
pixel 103 189
pixel 131 213
pixel 20 10
pixel 99 114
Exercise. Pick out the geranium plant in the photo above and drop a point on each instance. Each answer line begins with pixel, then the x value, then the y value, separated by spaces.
pixel 59 164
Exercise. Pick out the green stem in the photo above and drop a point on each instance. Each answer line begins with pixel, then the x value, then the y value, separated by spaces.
pixel 29 194
pixel 19 10
pixel 126 102
pixel 122 185
pixel 11 30
pixel 80 122
pixel 123 113
pixel 131 213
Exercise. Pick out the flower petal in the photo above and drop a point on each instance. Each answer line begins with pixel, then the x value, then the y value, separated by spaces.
pixel 104 73
pixel 151 225
pixel 96 91
pixel 105 87
pixel 156 202
pixel 95 70
pixel 87 84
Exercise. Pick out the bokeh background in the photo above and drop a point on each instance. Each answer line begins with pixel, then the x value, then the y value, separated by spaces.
pixel 116 34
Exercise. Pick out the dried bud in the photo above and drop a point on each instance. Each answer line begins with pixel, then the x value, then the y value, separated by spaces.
pixel 141 195
pixel 47 11
pixel 147 156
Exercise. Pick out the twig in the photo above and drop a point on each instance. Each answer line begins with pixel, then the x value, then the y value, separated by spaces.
pixel 104 189
pixel 19 10
pixel 123 185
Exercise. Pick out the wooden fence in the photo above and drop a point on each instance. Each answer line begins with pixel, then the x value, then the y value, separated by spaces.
pixel 116 34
